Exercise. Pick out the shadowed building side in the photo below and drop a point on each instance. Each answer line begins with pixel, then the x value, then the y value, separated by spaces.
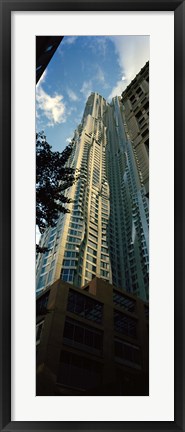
pixel 136 104
pixel 91 341
pixel 45 49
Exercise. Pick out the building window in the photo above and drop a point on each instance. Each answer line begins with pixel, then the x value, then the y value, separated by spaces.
pixel 90 243
pixel 104 265
pixel 104 273
pixel 50 276
pixel 91 259
pixel 67 275
pixel 74 232
pixel 42 280
pixel 92 251
pixel 144 133
pixel 127 352
pixel 105 250
pixel 70 246
pixel 89 275
pixel 41 305
pixel 104 257
pixel 146 106
pixel 147 145
pixel 85 307
pixel 105 214
pixel 125 325
pixel 94 229
pixel 90 267
pixel 83 336
pixel 123 301
pixel 75 225
pixel 69 263
pixel 79 280
pixel 79 372
pixel 70 254
pixel 39 328
pixel 93 237
pixel 73 239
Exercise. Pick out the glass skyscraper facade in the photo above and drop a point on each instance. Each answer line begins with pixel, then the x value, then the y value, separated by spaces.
pixel 106 232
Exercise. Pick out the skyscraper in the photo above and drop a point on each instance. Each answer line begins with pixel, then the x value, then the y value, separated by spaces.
pixel 106 232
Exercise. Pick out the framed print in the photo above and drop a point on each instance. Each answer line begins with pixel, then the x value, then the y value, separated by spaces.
pixel 80 399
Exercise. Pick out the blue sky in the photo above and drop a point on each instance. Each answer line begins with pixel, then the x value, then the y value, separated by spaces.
pixel 82 64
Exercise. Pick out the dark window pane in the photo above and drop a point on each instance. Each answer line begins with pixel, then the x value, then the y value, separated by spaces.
pixel 79 334
pixel 68 330
pixel 123 301
pixel 98 341
pixel 88 338
pixel 125 324
pixel 41 305
pixel 85 306
pixel 128 352
pixel 79 372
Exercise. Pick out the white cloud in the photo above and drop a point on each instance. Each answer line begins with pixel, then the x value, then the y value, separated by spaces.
pixel 68 140
pixel 37 115
pixel 133 53
pixel 102 45
pixel 117 90
pixel 100 75
pixel 69 40
pixel 52 107
pixel 72 95
pixel 42 78
pixel 86 88
pixel 98 44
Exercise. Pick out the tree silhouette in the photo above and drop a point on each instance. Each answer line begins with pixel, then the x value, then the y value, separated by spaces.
pixel 53 177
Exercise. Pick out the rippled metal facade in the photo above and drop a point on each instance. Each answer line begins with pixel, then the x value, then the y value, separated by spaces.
pixel 106 232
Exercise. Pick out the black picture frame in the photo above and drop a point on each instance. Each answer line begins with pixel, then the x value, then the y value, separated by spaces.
pixel 6 7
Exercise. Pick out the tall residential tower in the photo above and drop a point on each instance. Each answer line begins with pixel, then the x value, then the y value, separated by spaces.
pixel 106 232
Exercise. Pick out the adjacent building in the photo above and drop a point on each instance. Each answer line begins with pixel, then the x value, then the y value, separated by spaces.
pixel 136 103
pixel 106 232
pixel 91 341
pixel 45 49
